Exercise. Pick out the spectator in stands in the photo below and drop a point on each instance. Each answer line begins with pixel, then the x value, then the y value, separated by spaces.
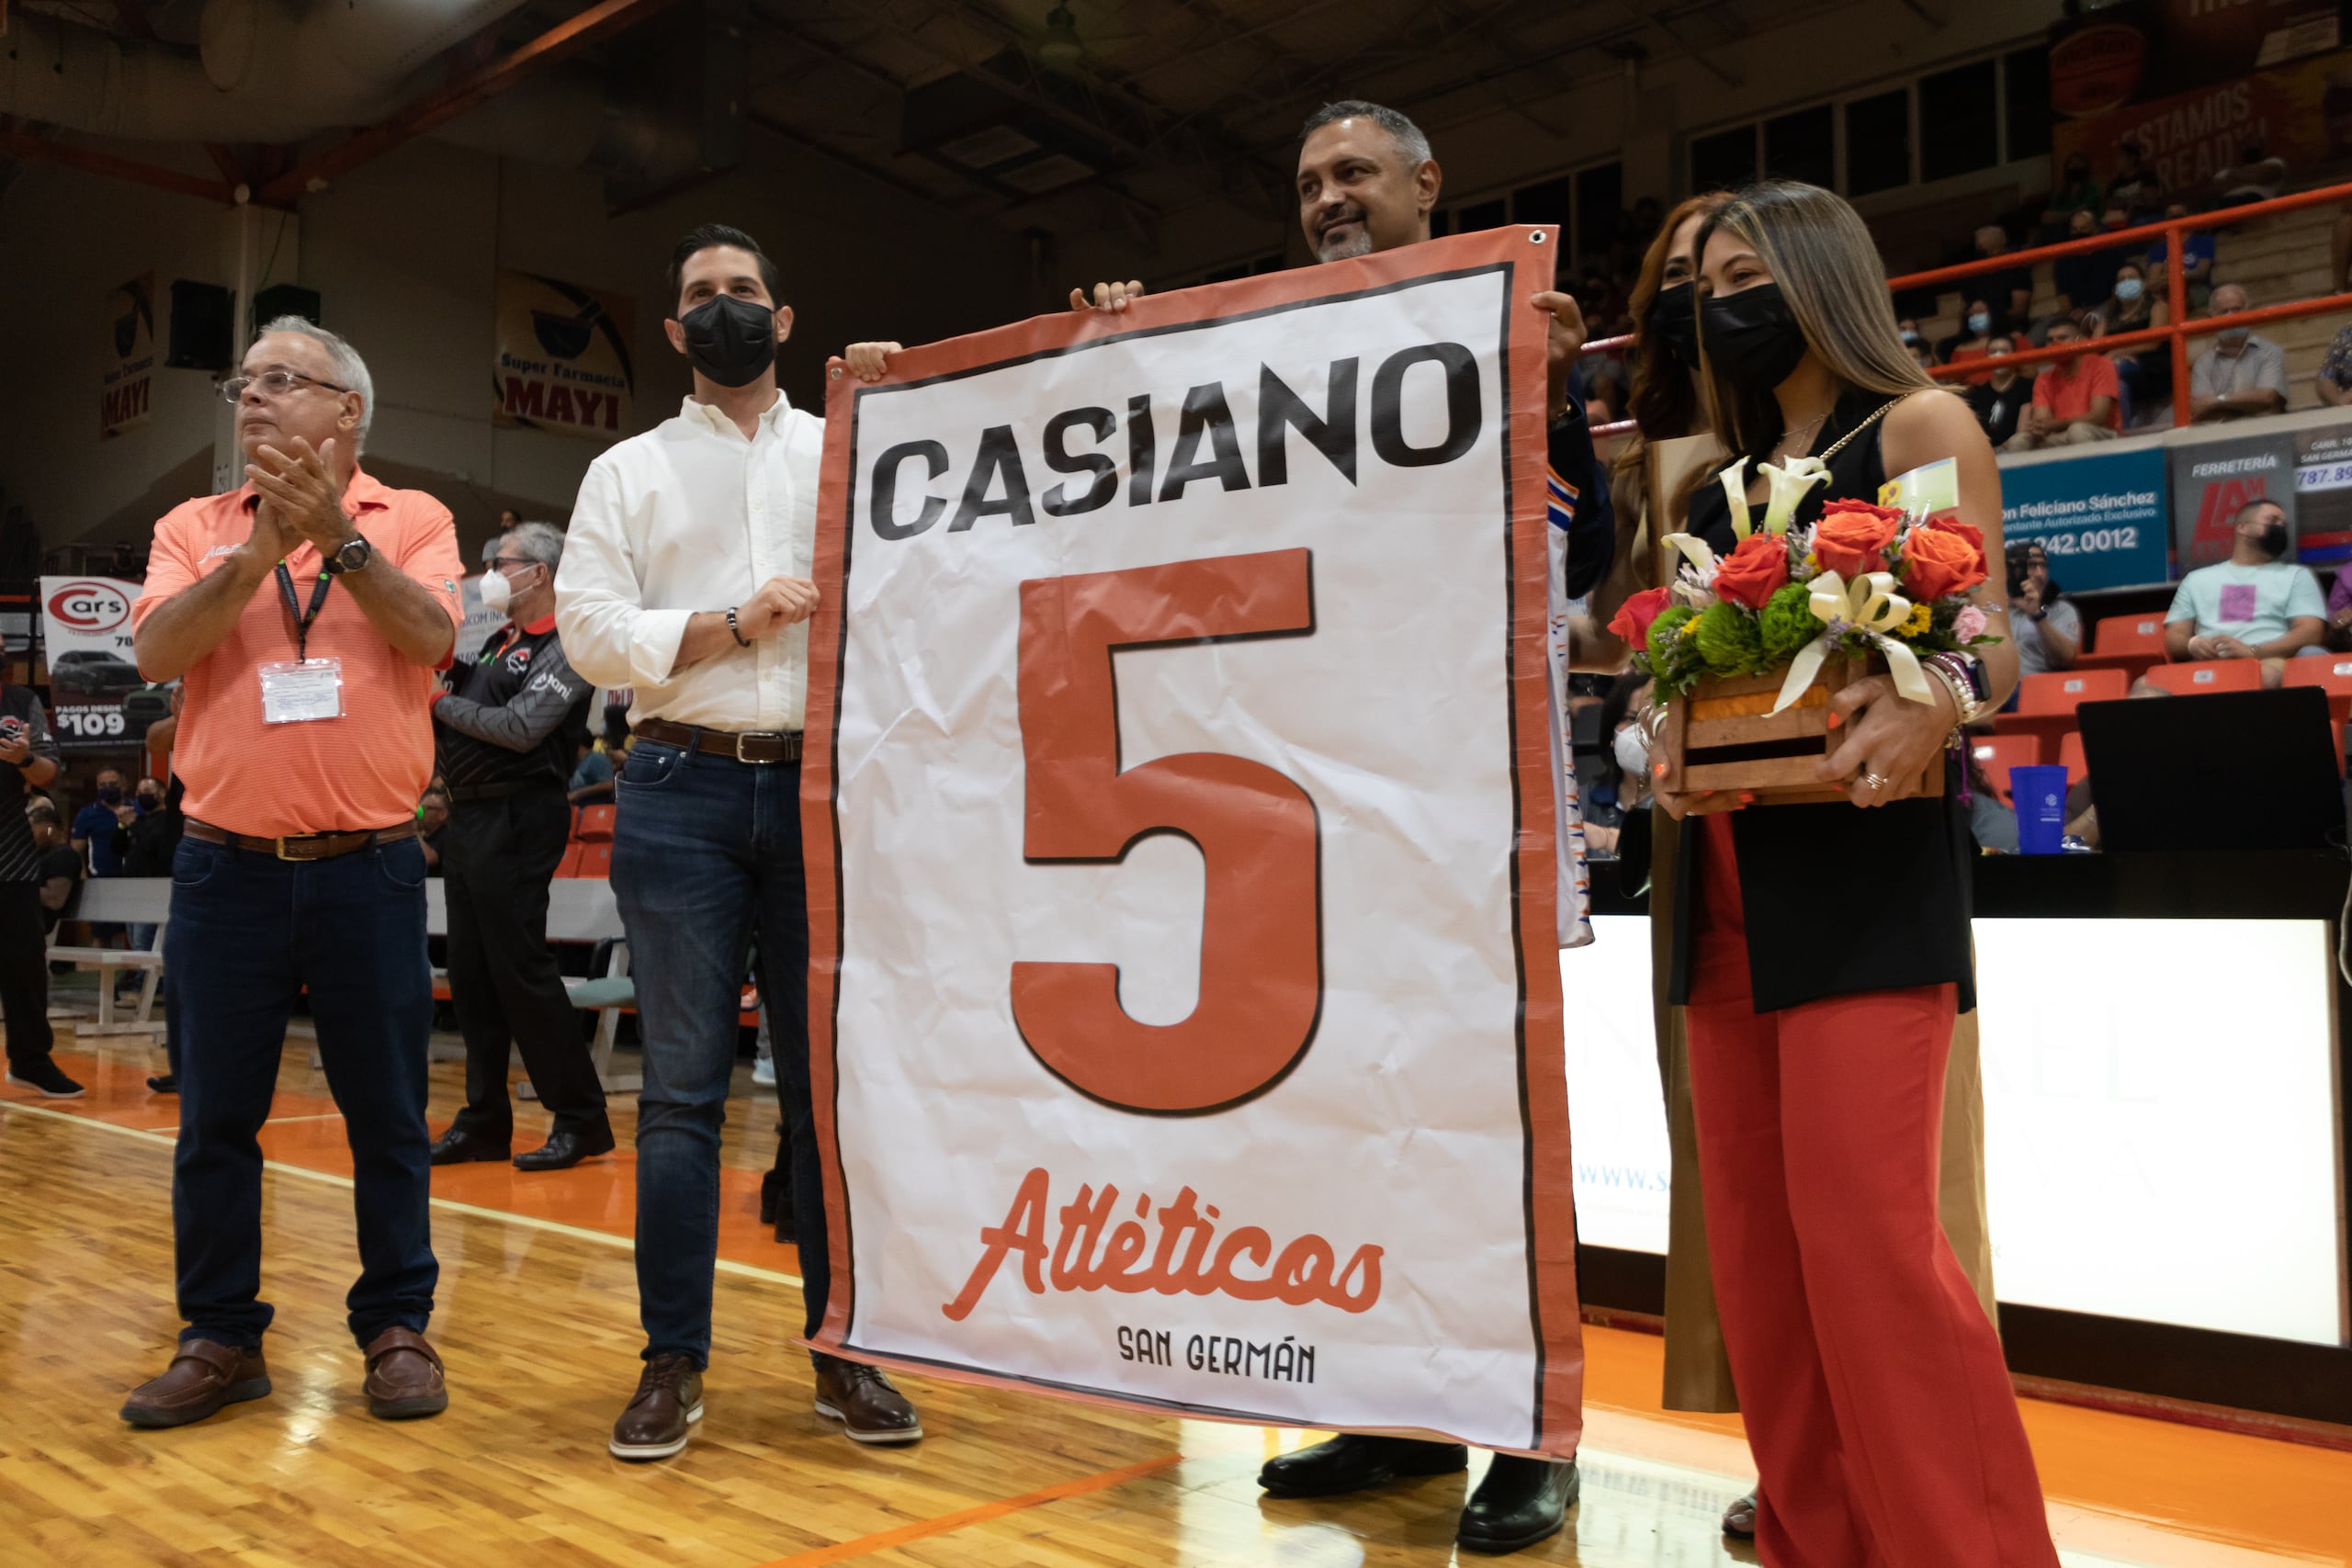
pixel 2136 191
pixel 61 863
pixel 28 762
pixel 2077 192
pixel 2002 396
pixel 2144 372
pixel 95 824
pixel 2334 383
pixel 2196 249
pixel 2255 605
pixel 592 778
pixel 508 727
pixel 2010 292
pixel 2075 401
pixel 2085 278
pixel 433 826
pixel 299 868
pixel 2339 612
pixel 2243 375
pixel 2254 177
pixel 1908 329
pixel 1971 341
pixel 509 520
pixel 2049 630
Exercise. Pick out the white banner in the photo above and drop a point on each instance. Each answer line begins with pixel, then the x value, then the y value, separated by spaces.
pixel 1185 1008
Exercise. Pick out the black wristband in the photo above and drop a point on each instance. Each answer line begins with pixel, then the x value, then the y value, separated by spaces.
pixel 735 631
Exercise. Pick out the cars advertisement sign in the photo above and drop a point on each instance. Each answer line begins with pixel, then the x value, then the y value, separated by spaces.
pixel 85 631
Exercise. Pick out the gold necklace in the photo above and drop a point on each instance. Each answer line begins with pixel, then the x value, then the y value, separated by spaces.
pixel 1790 437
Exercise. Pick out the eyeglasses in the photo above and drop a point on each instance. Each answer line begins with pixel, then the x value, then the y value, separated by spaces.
pixel 274 384
pixel 505 564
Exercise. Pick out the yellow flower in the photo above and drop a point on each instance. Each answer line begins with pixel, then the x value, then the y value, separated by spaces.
pixel 1922 617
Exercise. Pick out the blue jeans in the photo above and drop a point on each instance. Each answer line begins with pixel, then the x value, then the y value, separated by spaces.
pixel 247 932
pixel 706 856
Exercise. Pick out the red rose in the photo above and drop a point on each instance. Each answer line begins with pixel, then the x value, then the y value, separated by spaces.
pixel 1631 626
pixel 1753 571
pixel 1852 536
pixel 1943 557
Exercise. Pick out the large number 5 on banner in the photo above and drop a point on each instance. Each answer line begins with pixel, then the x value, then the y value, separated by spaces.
pixel 1261 949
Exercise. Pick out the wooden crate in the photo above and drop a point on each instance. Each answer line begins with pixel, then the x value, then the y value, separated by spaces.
pixel 1773 756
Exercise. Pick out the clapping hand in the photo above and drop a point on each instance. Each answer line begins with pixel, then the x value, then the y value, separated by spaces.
pixel 303 486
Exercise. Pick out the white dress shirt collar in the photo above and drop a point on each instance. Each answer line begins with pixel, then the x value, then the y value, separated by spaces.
pixel 711 415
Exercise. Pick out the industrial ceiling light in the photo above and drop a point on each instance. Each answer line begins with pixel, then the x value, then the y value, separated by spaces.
pixel 1058 46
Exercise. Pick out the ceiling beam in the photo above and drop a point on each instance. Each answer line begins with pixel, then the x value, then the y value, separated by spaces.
pixel 15 144
pixel 476 87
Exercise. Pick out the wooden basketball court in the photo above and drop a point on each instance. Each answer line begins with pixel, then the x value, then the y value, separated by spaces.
pixel 538 1322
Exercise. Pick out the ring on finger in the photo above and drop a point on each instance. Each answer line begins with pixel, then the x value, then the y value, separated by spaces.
pixel 1872 782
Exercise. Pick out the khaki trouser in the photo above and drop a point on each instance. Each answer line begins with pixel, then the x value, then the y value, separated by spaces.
pixel 1698 1372
pixel 2080 433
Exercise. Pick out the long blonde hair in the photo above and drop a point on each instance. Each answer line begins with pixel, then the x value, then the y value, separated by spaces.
pixel 1829 271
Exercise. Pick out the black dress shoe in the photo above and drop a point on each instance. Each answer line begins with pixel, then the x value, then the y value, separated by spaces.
pixel 163 1083
pixel 1522 1501
pixel 1351 1462
pixel 567 1147
pixel 1740 1519
pixel 457 1145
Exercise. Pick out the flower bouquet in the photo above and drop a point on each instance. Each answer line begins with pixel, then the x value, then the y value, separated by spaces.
pixel 1746 649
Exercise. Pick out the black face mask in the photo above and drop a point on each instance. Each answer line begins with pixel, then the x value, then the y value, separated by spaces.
pixel 2273 539
pixel 729 340
pixel 1671 323
pixel 1752 337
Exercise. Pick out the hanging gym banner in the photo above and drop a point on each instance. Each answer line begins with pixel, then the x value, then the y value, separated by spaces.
pixel 1185 1000
pixel 126 373
pixel 563 358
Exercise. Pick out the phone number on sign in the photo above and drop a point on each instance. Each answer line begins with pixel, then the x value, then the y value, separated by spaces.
pixel 2088 541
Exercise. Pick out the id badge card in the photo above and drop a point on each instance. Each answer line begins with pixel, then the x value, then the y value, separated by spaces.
pixel 301 691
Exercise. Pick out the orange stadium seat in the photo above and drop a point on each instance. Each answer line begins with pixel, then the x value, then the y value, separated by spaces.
pixel 570 865
pixel 2206 676
pixel 2129 643
pixel 2070 753
pixel 1997 754
pixel 2063 691
pixel 2332 674
pixel 596 824
pixel 595 860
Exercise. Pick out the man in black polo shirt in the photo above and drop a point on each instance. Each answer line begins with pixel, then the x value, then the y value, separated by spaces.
pixel 506 731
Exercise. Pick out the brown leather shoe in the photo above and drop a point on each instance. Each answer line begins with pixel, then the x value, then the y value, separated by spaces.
pixel 661 1414
pixel 862 1399
pixel 404 1377
pixel 204 1375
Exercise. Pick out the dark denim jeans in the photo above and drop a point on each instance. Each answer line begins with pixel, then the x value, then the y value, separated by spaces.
pixel 706 857
pixel 248 932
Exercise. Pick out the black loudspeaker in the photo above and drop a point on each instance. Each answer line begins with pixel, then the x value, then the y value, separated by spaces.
pixel 201 315
pixel 286 299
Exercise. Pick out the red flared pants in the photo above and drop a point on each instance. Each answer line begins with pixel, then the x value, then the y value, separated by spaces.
pixel 1876 1400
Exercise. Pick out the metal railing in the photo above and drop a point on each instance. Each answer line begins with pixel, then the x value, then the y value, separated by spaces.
pixel 2176 330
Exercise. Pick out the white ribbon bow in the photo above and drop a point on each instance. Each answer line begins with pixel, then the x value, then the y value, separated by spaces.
pixel 1789 480
pixel 1871 606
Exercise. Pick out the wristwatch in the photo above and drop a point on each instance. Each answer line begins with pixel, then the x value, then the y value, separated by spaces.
pixel 352 556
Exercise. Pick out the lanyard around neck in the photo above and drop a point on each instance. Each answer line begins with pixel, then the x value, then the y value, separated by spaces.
pixel 303 619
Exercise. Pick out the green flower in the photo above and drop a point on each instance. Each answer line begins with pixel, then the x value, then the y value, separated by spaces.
pixel 1729 640
pixel 1788 624
pixel 1662 632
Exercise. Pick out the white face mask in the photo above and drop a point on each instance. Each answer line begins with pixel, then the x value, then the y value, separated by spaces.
pixel 497 593
pixel 1632 752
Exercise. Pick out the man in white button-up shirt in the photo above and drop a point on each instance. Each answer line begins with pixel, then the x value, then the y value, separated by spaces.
pixel 686 577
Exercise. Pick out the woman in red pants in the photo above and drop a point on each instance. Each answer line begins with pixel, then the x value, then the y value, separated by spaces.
pixel 1823 950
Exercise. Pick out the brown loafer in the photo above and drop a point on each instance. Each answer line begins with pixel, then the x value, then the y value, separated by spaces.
pixel 862 1399
pixel 404 1377
pixel 204 1375
pixel 661 1414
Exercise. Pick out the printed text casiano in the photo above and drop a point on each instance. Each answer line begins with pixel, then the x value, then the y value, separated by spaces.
pixel 1203 442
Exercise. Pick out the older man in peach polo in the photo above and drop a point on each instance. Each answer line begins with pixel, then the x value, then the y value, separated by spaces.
pixel 308 611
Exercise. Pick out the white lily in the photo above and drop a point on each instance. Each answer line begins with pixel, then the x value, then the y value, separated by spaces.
pixel 1871 606
pixel 1789 480
pixel 1735 483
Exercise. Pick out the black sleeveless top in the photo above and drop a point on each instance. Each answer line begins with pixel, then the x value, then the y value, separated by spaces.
pixel 1901 915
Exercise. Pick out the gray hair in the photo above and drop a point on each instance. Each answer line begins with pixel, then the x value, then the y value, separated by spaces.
pixel 541 542
pixel 1407 136
pixel 349 369
pixel 42 810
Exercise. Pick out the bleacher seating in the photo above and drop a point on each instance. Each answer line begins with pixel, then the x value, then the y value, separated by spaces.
pixel 595 860
pixel 2333 674
pixel 594 825
pixel 2070 757
pixel 1997 754
pixel 2063 691
pixel 2206 676
pixel 2129 643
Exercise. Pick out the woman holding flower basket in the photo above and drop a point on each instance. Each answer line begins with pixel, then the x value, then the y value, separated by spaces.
pixel 1822 948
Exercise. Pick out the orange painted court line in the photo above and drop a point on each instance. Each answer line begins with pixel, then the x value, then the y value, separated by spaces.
pixel 1081 1487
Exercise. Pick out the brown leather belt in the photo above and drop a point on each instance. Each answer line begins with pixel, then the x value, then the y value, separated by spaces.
pixel 745 745
pixel 303 846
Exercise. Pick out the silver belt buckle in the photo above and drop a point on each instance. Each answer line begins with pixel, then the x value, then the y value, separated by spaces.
pixel 774 735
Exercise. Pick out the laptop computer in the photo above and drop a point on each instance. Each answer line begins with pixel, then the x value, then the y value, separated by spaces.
pixel 2221 770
